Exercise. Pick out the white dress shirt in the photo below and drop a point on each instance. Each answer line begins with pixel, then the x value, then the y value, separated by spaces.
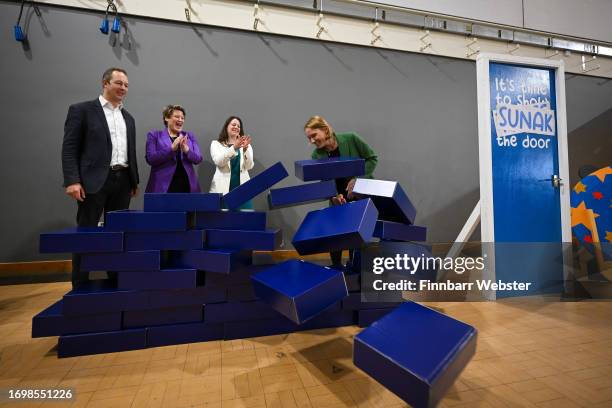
pixel 118 132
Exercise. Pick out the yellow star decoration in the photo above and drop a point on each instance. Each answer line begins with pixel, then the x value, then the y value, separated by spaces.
pixel 584 216
pixel 608 236
pixel 602 173
pixel 579 188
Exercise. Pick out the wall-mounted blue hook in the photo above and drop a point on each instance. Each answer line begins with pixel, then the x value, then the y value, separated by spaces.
pixel 104 26
pixel 19 35
pixel 116 25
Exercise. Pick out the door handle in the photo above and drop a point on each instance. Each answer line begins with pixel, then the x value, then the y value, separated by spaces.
pixel 555 180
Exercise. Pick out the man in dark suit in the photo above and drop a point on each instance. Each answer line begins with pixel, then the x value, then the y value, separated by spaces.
pixel 99 156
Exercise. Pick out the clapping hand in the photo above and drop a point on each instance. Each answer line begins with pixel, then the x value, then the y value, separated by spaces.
pixel 176 143
pixel 245 142
pixel 184 144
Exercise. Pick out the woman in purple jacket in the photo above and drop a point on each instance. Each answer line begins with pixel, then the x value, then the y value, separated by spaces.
pixel 172 152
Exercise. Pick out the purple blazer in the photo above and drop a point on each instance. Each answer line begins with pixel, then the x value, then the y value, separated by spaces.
pixel 163 161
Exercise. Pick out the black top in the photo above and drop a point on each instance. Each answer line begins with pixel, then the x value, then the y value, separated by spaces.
pixel 180 181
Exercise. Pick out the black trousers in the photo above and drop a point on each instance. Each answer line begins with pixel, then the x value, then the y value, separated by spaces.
pixel 114 195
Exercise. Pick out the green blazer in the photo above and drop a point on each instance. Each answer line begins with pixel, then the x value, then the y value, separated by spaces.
pixel 352 145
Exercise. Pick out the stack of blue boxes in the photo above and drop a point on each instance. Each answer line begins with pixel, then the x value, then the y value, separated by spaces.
pixel 185 274
pixel 173 261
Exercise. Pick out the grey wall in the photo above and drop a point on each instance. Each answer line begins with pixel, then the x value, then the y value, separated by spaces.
pixel 418 112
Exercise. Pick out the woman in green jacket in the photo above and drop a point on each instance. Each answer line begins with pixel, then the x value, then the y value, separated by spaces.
pixel 331 144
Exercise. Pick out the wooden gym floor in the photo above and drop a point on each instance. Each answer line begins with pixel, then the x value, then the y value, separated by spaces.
pixel 530 353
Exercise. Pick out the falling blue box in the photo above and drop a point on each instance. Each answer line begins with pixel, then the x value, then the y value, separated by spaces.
pixel 399 232
pixel 81 239
pixel 302 194
pixel 181 202
pixel 239 311
pixel 140 221
pixel 121 261
pixel 97 297
pixel 299 290
pixel 166 240
pixel 211 260
pixel 164 279
pixel 415 352
pixel 103 342
pixel 331 168
pixel 267 240
pixel 159 299
pixel 335 228
pixel 255 186
pixel 157 317
pixel 390 199
pixel 51 322
pixel 183 333
pixel 231 220
pixel 366 317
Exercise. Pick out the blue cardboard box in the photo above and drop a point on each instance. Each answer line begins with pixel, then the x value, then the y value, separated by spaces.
pixel 211 260
pixel 183 333
pixel 231 220
pixel 103 342
pixel 390 199
pixel 302 194
pixel 181 202
pixel 121 261
pixel 97 297
pixel 299 290
pixel 415 352
pixel 164 279
pixel 140 221
pixel 396 231
pixel 81 239
pixel 239 311
pixel 166 240
pixel 328 169
pixel 157 317
pixel 52 322
pixel 255 186
pixel 335 228
pixel 267 240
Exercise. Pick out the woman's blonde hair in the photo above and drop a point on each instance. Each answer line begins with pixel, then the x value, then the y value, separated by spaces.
pixel 319 122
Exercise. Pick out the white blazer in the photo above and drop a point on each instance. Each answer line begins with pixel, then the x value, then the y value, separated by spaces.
pixel 221 156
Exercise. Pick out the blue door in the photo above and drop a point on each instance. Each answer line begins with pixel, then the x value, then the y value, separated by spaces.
pixel 525 169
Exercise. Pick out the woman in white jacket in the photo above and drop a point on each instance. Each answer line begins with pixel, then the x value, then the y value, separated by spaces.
pixel 233 155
